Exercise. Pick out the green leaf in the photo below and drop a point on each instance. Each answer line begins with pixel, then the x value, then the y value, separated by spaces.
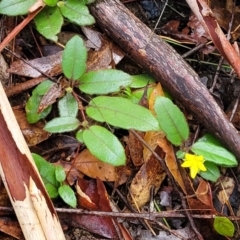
pixel 212 151
pixel 60 173
pixel 74 58
pixel 49 22
pixel 180 154
pixel 47 172
pixel 79 136
pixel 67 195
pixel 42 88
pixel 104 145
pixel 171 120
pixel 121 112
pixel 33 102
pixel 76 12
pixel 136 96
pixel 62 124
pixel 15 7
pixel 223 226
pixel 141 80
pixel 50 3
pixel 31 109
pixel 104 81
pixel 212 173
pixel 68 106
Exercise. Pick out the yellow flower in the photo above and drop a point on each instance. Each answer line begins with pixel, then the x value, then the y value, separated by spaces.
pixel 195 163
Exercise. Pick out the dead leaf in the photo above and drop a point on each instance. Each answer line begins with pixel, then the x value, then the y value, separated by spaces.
pixel 94 38
pixel 171 161
pixel 4 75
pixel 57 90
pixel 204 193
pixel 92 195
pixel 11 228
pixel 50 65
pixel 33 133
pixel 135 149
pixel 107 55
pixel 60 147
pixel 226 187
pixel 94 168
pixel 151 174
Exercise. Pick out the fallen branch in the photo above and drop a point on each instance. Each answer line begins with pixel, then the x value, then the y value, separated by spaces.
pixel 167 66
pixel 32 205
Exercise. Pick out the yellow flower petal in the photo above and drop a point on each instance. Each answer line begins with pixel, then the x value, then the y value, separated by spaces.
pixel 193 171
pixel 195 163
pixel 201 166
pixel 186 164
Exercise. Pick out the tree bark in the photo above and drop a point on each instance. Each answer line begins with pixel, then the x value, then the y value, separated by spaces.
pixel 166 66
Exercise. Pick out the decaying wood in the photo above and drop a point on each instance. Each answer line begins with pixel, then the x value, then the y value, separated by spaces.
pixel 32 205
pixel 167 66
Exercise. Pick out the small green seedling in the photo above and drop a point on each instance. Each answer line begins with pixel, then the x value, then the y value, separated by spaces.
pixel 51 18
pixel 223 226
pixel 213 154
pixel 53 178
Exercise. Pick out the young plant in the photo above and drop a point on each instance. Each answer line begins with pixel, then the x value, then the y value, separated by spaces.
pixel 212 153
pixel 50 20
pixel 113 110
pixel 53 178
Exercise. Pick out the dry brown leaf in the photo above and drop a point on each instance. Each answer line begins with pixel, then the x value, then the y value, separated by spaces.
pixel 171 161
pixel 204 193
pixel 4 75
pixel 94 37
pixel 50 65
pixel 152 137
pixel 92 195
pixel 50 97
pixel 135 149
pixel 109 54
pixel 33 133
pixel 226 187
pixel 11 228
pixel 94 168
pixel 151 174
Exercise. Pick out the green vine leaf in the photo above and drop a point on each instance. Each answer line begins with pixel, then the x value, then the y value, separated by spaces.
pixel 74 58
pixel 76 12
pixel 50 3
pixel 34 101
pixel 47 172
pixel 67 195
pixel 223 226
pixel 15 7
pixel 212 173
pixel 62 124
pixel 104 81
pixel 123 113
pixel 104 145
pixel 68 106
pixel 141 80
pixel 171 120
pixel 49 22
pixel 60 174
pixel 211 149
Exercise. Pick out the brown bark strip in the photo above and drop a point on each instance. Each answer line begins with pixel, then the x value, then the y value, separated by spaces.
pixel 34 209
pixel 167 66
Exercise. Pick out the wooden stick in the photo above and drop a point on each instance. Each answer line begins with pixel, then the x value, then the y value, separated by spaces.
pixel 166 66
pixel 33 207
